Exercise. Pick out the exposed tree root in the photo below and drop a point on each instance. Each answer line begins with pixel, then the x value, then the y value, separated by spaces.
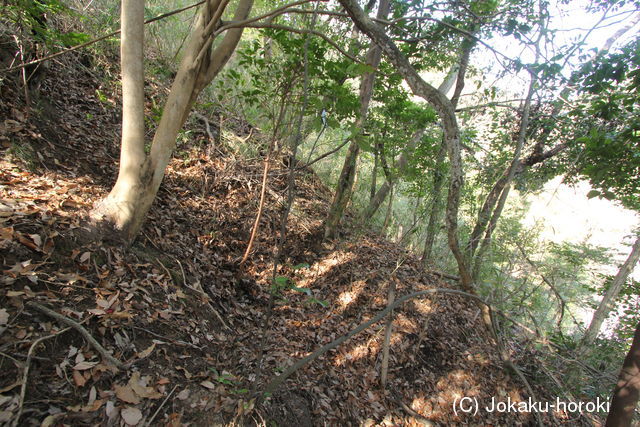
pixel 78 327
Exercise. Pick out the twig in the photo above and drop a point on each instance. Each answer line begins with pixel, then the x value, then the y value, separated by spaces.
pixel 327 154
pixel 155 414
pixel 203 294
pixel 298 31
pixel 256 223
pixel 387 336
pixel 276 382
pixel 207 125
pixel 25 375
pixel 172 341
pixel 78 327
pixel 414 414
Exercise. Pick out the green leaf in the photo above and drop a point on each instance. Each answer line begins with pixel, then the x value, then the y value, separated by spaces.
pixel 301 266
pixel 281 281
pixel 593 193
pixel 303 290
pixel 323 303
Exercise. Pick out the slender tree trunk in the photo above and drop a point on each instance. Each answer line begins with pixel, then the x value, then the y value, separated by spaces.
pixel 387 216
pixel 627 391
pixel 537 156
pixel 401 161
pixel 510 173
pixel 345 182
pixel 610 296
pixel 124 209
pixel 434 213
pixel 448 119
pixel 374 175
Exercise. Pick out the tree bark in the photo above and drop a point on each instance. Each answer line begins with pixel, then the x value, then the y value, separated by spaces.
pixel 345 182
pixel 448 119
pixel 610 296
pixel 457 76
pixel 124 209
pixel 627 390
pixel 121 203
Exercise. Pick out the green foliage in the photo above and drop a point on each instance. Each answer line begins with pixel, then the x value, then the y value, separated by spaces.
pixel 284 283
pixel 611 146
pixel 32 16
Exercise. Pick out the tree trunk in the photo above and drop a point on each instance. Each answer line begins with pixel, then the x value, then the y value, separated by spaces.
pixel 627 391
pixel 448 119
pixel 387 217
pixel 345 182
pixel 124 209
pixel 401 161
pixel 610 296
pixel 374 175
pixel 438 180
pixel 457 76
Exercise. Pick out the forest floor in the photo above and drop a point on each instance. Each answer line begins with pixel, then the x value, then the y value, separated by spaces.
pixel 180 306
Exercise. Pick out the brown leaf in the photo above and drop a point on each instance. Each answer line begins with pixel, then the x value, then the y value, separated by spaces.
pixel 84 365
pixel 126 394
pixel 139 386
pixel 85 256
pixel 78 378
pixel 147 352
pixel 131 416
pixel 208 384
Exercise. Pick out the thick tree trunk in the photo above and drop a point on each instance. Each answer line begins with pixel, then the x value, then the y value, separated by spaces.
pixel 345 182
pixel 605 306
pixel 627 391
pixel 140 175
pixel 401 162
pixel 121 203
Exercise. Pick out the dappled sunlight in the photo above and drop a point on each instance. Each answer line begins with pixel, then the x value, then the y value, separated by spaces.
pixel 423 306
pixel 325 266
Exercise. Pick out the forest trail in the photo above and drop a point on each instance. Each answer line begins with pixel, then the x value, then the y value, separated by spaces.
pixel 180 306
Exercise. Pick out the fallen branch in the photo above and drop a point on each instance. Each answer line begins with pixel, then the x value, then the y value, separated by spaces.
pixel 78 327
pixel 421 418
pixel 25 375
pixel 277 381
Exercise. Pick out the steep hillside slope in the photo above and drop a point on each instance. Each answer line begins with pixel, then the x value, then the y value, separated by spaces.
pixel 181 308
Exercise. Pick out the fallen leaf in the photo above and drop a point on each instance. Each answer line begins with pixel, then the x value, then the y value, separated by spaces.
pixel 83 366
pixel 85 256
pixel 208 384
pixel 131 416
pixel 139 386
pixel 78 379
pixel 147 352
pixel 111 411
pixel 126 394
pixel 184 394
pixel 6 233
pixel 4 316
pixel 14 293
